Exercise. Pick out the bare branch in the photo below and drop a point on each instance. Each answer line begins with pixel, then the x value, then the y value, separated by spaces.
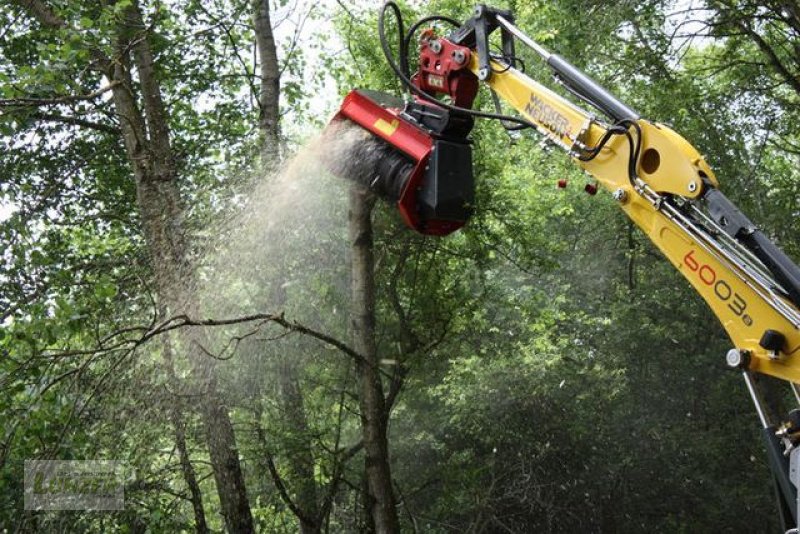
pixel 236 50
pixel 64 99
pixel 118 340
pixel 75 121
pixel 182 321
pixel 279 484
pixel 346 9
pixel 295 40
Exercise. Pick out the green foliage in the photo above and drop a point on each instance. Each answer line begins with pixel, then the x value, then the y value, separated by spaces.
pixel 558 374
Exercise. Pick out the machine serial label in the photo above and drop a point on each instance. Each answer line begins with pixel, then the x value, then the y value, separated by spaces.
pixel 722 289
pixel 547 116
pixel 436 81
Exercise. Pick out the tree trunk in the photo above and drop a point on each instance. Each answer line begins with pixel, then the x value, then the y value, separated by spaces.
pixel 300 458
pixel 300 455
pixel 270 75
pixel 374 420
pixel 146 136
pixel 177 420
pixel 195 495
pixel 161 212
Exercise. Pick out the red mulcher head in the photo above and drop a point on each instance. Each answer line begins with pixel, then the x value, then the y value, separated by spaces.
pixel 419 155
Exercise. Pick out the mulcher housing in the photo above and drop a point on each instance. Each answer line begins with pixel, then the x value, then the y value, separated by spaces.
pixel 436 186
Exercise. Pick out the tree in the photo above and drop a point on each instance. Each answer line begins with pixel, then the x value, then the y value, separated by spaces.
pixel 145 130
pixel 542 369
pixel 373 406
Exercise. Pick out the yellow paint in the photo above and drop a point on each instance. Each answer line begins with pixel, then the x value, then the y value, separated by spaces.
pixel 672 166
pixel 387 128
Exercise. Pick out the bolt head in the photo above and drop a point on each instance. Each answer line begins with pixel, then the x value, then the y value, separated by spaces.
pixel 435 46
pixel 459 56
pixel 620 195
pixel 692 186
pixel 737 359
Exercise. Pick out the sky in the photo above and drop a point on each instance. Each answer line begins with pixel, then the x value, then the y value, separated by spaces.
pixel 5 211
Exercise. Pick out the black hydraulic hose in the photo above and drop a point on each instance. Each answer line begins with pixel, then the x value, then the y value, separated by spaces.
pixel 595 150
pixel 635 147
pixel 419 92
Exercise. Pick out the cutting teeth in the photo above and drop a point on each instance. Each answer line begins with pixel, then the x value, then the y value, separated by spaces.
pixel 359 156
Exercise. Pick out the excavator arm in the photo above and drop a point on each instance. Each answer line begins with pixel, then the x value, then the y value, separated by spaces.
pixel 664 185
pixel 659 180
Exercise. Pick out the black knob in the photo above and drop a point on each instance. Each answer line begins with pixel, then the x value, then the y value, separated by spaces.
pixel 772 340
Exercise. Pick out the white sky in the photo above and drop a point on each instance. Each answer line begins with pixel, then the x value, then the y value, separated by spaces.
pixel 5 210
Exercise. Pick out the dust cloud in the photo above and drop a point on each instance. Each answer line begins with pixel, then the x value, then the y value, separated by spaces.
pixel 286 244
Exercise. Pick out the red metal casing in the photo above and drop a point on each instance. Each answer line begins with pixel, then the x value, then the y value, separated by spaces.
pixel 387 124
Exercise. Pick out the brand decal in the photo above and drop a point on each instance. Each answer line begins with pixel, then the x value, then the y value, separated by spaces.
pixel 722 289
pixel 547 116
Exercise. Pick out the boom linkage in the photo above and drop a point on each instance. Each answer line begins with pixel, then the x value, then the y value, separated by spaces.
pixel 664 185
pixel 417 154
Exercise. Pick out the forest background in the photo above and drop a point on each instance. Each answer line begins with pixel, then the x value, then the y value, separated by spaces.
pixel 267 351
